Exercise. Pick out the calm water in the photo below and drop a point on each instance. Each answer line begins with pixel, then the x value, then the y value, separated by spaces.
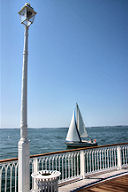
pixel 52 139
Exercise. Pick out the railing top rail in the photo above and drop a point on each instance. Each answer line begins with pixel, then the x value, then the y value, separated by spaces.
pixel 8 160
pixel 78 149
pixel 65 151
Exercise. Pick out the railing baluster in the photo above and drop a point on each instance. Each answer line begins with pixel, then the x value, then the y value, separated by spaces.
pixel 65 166
pixel 71 165
pixel 42 163
pixel 1 178
pixel 6 169
pixel 53 162
pixel 107 158
pixel 56 162
pixel 46 163
pixel 95 160
pixel 62 165
pixel 11 177
pixel 92 162
pixel 58 157
pixel 126 148
pixel 100 159
pixel 126 155
pixel 110 158
pixel 113 156
pixel 77 164
pixel 16 177
pixel 104 158
pixel 123 153
pixel 87 162
pixel 49 166
pixel 74 164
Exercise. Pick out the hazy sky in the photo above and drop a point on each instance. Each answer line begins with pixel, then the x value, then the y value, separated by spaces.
pixel 78 52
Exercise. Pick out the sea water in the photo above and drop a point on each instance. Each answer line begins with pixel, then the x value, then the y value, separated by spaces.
pixel 45 140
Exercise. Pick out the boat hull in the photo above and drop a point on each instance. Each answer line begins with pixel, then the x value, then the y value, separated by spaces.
pixel 80 144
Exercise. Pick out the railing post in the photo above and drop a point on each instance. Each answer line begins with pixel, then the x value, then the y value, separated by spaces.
pixel 82 164
pixel 119 160
pixel 35 169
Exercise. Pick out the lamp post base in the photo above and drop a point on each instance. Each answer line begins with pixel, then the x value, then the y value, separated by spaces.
pixel 23 169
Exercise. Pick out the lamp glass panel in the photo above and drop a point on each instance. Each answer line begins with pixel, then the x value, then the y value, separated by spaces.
pixel 29 14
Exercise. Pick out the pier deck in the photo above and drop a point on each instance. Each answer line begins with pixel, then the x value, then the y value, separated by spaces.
pixel 109 181
pixel 113 185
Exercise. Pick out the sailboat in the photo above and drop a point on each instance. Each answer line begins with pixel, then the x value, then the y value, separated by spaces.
pixel 77 135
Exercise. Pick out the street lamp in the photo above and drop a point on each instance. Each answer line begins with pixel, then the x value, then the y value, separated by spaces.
pixel 27 15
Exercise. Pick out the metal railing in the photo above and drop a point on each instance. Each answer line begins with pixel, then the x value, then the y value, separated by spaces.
pixel 9 175
pixel 73 164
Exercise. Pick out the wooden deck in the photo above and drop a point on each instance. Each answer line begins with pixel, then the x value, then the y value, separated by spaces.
pixel 111 181
pixel 118 184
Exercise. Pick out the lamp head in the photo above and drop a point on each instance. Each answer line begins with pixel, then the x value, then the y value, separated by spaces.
pixel 27 15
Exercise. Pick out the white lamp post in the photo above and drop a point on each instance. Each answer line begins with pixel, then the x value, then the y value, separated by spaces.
pixel 27 15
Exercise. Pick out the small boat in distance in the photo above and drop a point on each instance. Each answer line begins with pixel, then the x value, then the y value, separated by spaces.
pixel 77 135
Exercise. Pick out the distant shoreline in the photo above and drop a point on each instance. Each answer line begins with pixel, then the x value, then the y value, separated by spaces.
pixel 105 126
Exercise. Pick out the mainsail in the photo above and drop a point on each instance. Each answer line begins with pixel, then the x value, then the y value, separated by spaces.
pixel 72 134
pixel 80 123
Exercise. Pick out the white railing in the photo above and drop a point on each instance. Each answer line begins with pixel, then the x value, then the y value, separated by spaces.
pixel 73 164
pixel 68 163
pixel 9 175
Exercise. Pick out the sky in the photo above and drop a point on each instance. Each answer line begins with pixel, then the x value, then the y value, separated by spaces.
pixel 78 52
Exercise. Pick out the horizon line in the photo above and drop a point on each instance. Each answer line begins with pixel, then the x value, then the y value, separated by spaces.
pixel 64 127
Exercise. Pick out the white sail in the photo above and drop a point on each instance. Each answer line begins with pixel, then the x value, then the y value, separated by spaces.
pixel 72 134
pixel 80 123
